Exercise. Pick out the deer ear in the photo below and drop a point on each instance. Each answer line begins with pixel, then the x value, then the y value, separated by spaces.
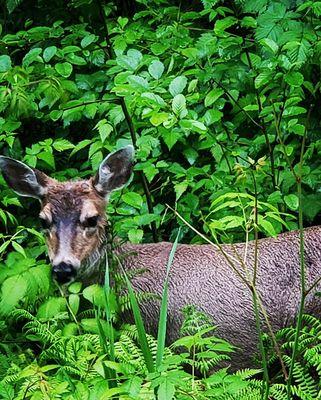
pixel 115 171
pixel 22 179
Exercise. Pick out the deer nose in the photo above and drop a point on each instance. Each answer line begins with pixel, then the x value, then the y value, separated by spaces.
pixel 63 272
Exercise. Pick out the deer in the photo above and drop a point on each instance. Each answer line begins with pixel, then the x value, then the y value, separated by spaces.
pixel 73 218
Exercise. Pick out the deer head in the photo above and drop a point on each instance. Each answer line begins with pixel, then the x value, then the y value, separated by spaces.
pixel 73 212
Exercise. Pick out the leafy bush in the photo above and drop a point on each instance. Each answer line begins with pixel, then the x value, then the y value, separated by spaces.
pixel 220 100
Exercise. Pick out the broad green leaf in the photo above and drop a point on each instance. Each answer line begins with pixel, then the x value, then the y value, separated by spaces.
pixel 95 294
pixel 70 329
pixel 170 137
pixel 64 69
pixel 294 78
pixel 156 69
pixel 153 99
pixel 18 248
pixel 62 145
pixel 270 44
pixel 263 78
pixel 13 290
pixel 47 157
pixel 31 56
pixel 5 63
pixel 90 325
pixel 212 116
pixel 55 114
pixel 49 52
pixel 87 40
pixel 158 118
pixel 166 390
pixel 75 287
pixel 267 226
pixel 74 302
pixel 135 235
pixel 104 129
pixel 177 85
pixel 158 48
pixel 179 105
pixel 292 201
pixel 180 188
pixel 212 96
pixel 193 125
pixel 133 199
pixel 131 60
pixel 51 308
pixel 223 24
pixel 137 82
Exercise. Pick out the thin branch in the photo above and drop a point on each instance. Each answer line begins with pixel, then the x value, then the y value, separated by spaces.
pixel 86 103
pixel 129 121
pixel 247 283
pixel 263 127
pixel 236 103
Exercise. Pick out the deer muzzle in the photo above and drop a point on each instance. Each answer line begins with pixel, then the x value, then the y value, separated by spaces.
pixel 63 272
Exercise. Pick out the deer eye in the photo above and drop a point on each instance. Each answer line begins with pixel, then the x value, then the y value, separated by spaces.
pixel 45 223
pixel 91 222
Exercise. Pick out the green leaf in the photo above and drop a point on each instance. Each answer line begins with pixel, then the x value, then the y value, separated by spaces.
pixel 90 325
pixel 177 85
pixel 64 69
pixel 262 79
pixel 166 390
pixel 153 99
pixel 212 116
pixel 104 129
pixel 51 308
pixel 75 287
pixel 267 226
pixel 133 199
pixel 49 52
pixel 47 157
pixel 180 188
pixel 193 125
pixel 133 386
pixel 156 69
pixel 135 235
pixel 31 56
pixel 223 24
pixel 13 290
pixel 212 96
pixel 70 329
pixel 179 105
pixel 170 137
pixel 292 201
pixel 294 78
pixel 158 48
pixel 137 82
pixel 55 114
pixel 87 40
pixel 74 301
pixel 95 294
pixel 5 63
pixel 18 248
pixel 270 44
pixel 158 118
pixel 131 60
pixel 62 145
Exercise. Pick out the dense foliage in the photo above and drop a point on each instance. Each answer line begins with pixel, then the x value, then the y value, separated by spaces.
pixel 220 99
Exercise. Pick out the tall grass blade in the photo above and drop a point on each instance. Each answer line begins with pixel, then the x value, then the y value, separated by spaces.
pixel 107 337
pixel 108 310
pixel 162 323
pixel 142 337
